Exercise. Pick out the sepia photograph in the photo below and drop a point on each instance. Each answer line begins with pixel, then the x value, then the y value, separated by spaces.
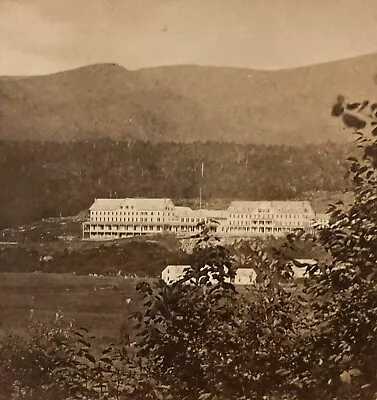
pixel 188 200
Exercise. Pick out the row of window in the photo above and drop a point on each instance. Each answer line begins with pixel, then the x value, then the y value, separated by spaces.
pixel 194 220
pixel 248 216
pixel 131 207
pixel 126 206
pixel 268 210
pixel 294 223
pixel 112 219
pixel 122 227
pixel 236 216
pixel 250 222
pixel 143 228
pixel 256 230
pixel 125 227
pixel 142 219
pixel 128 213
pixel 124 213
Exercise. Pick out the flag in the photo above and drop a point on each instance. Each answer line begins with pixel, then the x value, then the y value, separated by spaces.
pixel 202 169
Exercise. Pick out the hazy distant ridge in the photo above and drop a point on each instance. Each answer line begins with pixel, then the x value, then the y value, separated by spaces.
pixel 185 103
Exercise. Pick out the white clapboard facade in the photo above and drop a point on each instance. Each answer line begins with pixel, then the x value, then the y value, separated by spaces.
pixel 118 218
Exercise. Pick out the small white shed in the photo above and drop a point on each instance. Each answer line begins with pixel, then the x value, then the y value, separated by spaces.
pixel 172 273
pixel 245 276
pixel 299 266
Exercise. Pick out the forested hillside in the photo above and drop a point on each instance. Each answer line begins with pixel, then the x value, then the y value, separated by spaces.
pixel 45 179
pixel 184 103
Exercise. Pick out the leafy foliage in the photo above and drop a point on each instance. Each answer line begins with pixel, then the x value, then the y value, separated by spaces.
pixel 27 362
pixel 344 290
pixel 204 333
pixel 57 362
pixel 113 373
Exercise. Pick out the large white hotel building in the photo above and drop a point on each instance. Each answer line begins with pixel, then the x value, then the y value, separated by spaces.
pixel 118 218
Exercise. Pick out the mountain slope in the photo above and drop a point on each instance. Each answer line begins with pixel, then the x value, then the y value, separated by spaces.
pixel 185 103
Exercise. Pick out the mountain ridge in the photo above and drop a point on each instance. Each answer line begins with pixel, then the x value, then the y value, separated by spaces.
pixel 165 66
pixel 185 103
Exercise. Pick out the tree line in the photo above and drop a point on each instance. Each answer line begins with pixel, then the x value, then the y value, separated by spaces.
pixel 46 179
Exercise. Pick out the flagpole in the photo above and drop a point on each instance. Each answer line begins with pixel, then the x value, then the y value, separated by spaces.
pixel 201 189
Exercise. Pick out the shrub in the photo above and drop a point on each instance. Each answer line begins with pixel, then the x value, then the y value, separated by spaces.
pixel 204 337
pixel 27 362
pixel 342 354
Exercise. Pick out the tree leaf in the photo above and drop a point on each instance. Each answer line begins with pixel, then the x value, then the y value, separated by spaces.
pixel 351 121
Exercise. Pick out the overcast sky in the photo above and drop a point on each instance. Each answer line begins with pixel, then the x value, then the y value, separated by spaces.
pixel 43 36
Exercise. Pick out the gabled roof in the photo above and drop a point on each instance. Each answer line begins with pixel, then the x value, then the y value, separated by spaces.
pixel 141 204
pixel 183 208
pixel 184 211
pixel 215 213
pixel 176 268
pixel 246 273
pixel 150 204
pixel 204 213
pixel 276 206
pixel 106 204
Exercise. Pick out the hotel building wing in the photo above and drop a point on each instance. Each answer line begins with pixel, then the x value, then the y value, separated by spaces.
pixel 118 218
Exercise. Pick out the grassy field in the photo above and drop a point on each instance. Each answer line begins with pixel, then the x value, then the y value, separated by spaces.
pixel 97 303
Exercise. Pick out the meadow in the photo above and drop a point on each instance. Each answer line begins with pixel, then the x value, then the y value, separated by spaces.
pixel 98 303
